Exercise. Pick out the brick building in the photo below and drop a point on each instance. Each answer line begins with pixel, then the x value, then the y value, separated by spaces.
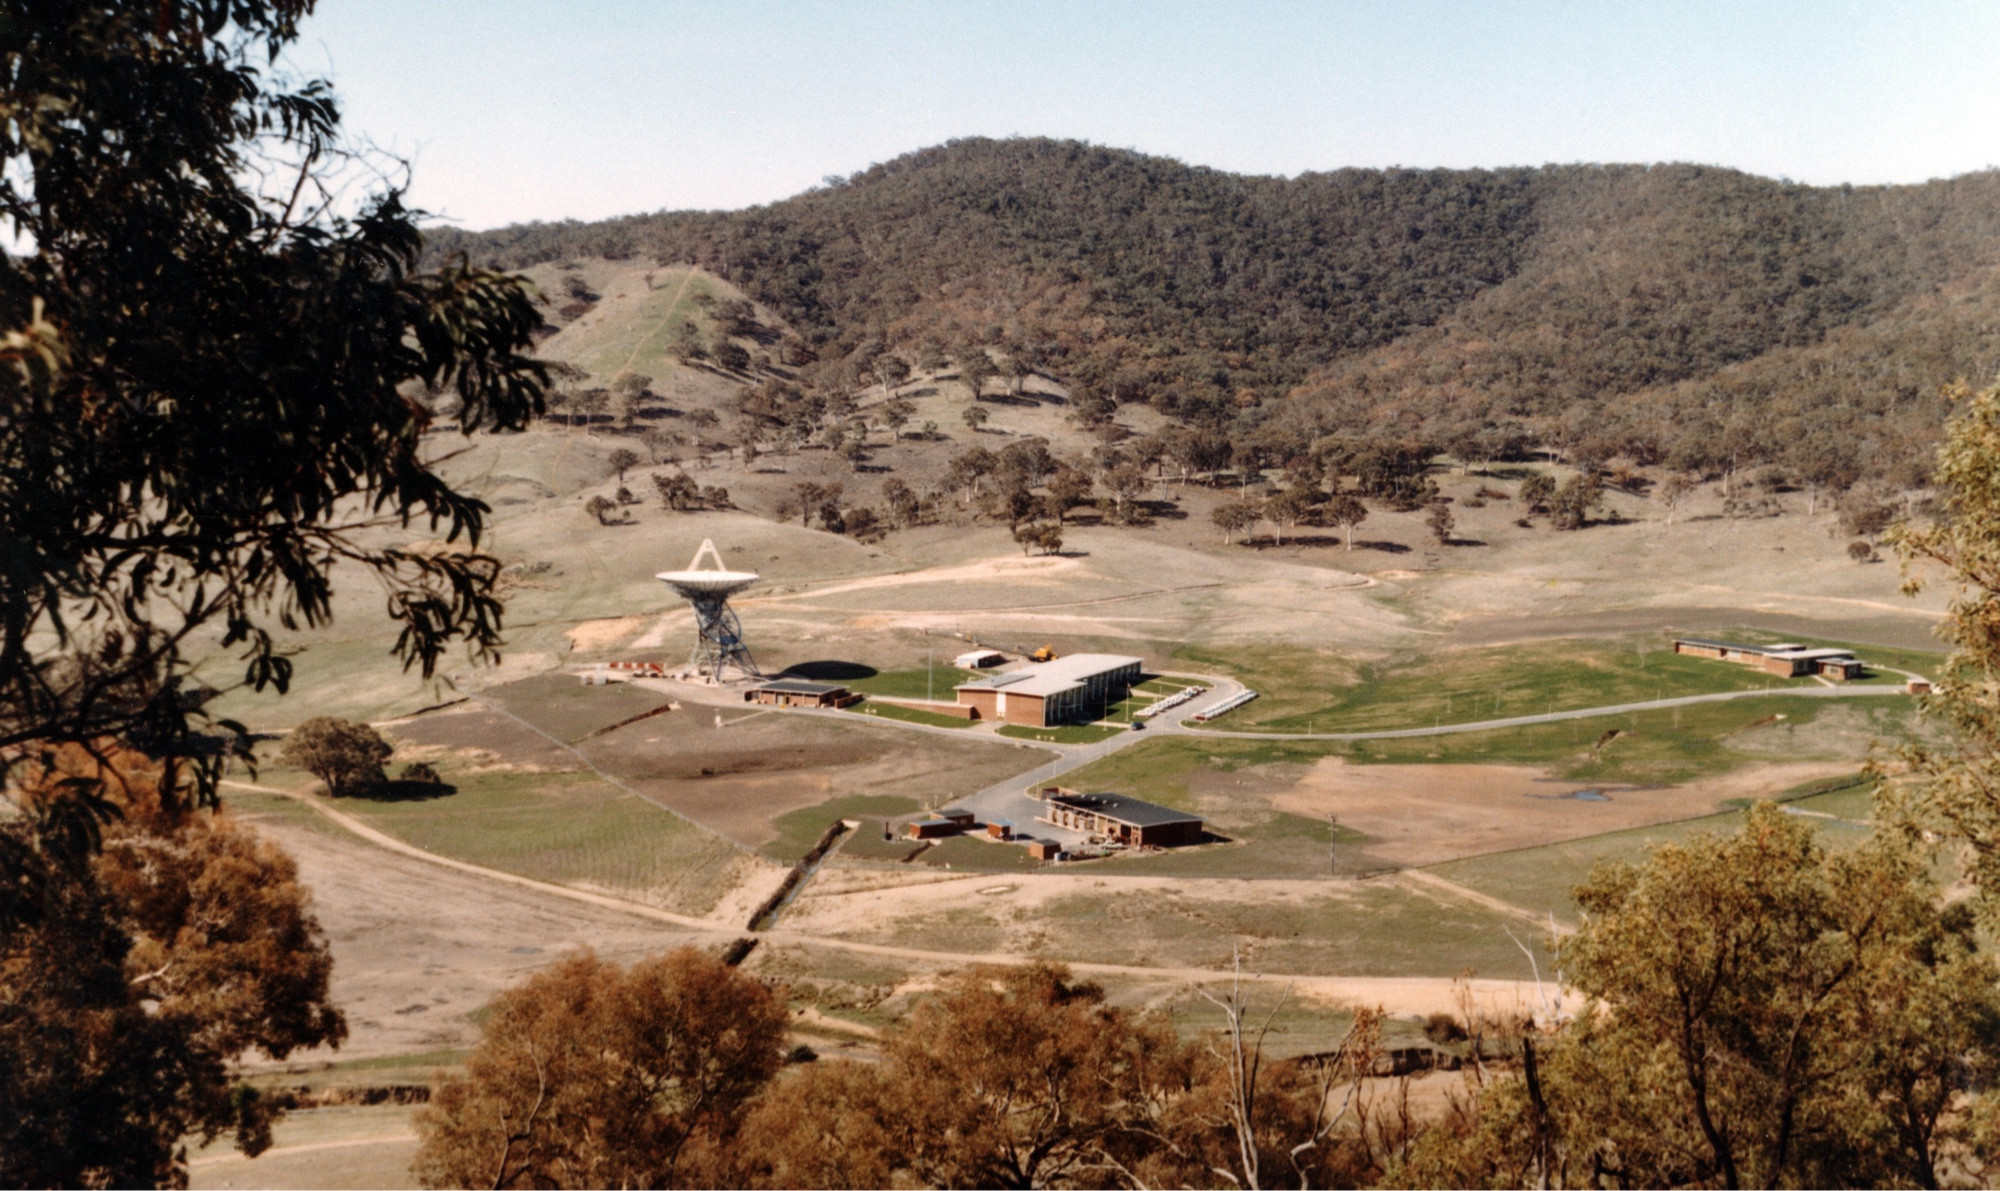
pixel 1121 819
pixel 1785 661
pixel 1075 688
pixel 797 692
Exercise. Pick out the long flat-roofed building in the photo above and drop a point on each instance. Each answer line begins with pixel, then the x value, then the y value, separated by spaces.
pixel 1078 687
pixel 1127 820
pixel 1786 661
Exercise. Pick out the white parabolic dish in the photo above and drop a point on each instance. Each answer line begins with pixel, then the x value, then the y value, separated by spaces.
pixel 696 581
pixel 707 582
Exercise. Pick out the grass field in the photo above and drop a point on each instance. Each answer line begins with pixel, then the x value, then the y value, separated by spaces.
pixel 567 828
pixel 963 852
pixel 1541 879
pixel 560 705
pixel 1064 733
pixel 913 715
pixel 1369 928
pixel 1666 746
pixel 799 830
pixel 1304 692
pixel 921 683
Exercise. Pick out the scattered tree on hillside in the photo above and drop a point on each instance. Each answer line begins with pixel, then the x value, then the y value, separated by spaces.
pixel 1068 488
pixel 891 371
pixel 688 345
pixel 809 496
pixel 1861 551
pixel 976 416
pixel 896 415
pixel 341 753
pixel 732 355
pixel 904 507
pixel 677 490
pixel 1345 510
pixel 1235 517
pixel 1673 492
pixel 1045 536
pixel 1126 483
pixel 601 508
pixel 595 1075
pixel 1536 492
pixel 1288 507
pixel 1572 503
pixel 621 461
pixel 736 317
pixel 975 368
pixel 1439 521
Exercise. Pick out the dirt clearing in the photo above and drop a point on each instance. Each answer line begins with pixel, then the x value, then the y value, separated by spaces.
pixel 418 948
pixel 1416 815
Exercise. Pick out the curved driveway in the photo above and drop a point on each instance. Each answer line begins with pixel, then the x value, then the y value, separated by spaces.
pixel 1010 800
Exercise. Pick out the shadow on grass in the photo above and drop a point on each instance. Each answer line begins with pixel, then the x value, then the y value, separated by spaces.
pixel 829 670
pixel 399 791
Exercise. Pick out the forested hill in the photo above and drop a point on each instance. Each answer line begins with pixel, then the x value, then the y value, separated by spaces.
pixel 1652 308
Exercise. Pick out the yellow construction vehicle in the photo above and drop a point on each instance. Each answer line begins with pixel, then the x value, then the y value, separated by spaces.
pixel 1044 654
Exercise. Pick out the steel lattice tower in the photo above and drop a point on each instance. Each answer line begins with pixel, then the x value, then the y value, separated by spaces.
pixel 718 642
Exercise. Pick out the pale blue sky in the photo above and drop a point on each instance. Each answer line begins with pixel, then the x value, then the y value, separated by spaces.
pixel 515 111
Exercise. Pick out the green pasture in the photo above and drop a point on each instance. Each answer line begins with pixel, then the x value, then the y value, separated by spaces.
pixel 565 828
pixel 1650 747
pixel 643 343
pixel 799 830
pixel 1542 879
pixel 921 683
pixel 1301 691
pixel 912 715
pixel 1664 746
pixel 1363 928
pixel 559 704
pixel 965 852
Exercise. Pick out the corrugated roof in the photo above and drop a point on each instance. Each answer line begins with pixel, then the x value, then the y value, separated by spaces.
pixel 1048 678
pixel 1120 808
pixel 799 686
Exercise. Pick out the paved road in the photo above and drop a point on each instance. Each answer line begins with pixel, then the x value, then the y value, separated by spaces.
pixel 1010 799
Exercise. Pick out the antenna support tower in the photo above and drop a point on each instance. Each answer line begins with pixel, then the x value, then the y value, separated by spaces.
pixel 718 643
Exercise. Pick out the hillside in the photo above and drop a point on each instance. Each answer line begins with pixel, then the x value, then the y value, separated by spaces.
pixel 1636 311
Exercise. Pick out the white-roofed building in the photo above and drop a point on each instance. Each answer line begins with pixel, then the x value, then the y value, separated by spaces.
pixel 1077 687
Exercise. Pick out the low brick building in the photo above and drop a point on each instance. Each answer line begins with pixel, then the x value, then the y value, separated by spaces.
pixel 1121 819
pixel 1067 690
pixel 1785 661
pixel 797 692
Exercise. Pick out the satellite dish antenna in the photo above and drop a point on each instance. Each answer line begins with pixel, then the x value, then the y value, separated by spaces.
pixel 718 634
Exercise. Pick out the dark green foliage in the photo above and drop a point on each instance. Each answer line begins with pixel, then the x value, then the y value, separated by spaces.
pixel 199 378
pixel 338 752
pixel 1666 313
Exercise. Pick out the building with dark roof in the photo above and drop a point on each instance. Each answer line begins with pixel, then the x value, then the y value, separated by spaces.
pixel 1121 819
pixel 797 692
